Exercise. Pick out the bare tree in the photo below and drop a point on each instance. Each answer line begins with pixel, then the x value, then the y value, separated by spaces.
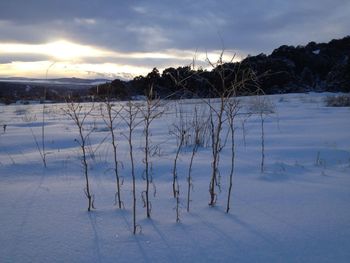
pixel 79 115
pixel 198 128
pixel 130 118
pixel 229 79
pixel 43 151
pixel 109 120
pixel 232 110
pixel 223 91
pixel 43 155
pixel 40 148
pixel 149 112
pixel 262 106
pixel 180 131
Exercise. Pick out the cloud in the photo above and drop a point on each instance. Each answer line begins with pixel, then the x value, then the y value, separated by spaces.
pixel 157 25
pixel 65 51
pixel 150 27
pixel 22 57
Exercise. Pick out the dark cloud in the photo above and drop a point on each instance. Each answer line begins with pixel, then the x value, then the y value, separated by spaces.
pixel 142 62
pixel 5 59
pixel 138 26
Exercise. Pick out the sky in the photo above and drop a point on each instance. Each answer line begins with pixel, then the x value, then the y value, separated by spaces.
pixel 124 39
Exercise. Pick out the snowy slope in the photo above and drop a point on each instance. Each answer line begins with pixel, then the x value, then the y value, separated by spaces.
pixel 297 211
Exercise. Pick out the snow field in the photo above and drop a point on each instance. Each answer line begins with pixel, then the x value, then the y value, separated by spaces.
pixel 297 211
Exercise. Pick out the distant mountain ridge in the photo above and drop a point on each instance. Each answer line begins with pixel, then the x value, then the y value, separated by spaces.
pixel 20 88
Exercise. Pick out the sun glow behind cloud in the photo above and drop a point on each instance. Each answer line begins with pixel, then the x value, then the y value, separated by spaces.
pixel 72 59
pixel 60 50
pixel 38 69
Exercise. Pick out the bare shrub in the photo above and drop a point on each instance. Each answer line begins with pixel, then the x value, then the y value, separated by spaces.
pixel 29 117
pixel 262 106
pixel 228 81
pixel 180 131
pixel 110 121
pixel 198 130
pixel 43 133
pixel 79 115
pixel 150 111
pixel 232 110
pixel 129 115
pixel 338 101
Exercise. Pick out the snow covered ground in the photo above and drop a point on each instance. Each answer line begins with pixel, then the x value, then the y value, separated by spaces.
pixel 296 211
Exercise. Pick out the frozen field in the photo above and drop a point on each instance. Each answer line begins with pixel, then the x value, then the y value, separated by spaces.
pixel 298 210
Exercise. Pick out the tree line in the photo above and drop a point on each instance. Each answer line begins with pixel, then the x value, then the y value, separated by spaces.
pixel 314 67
